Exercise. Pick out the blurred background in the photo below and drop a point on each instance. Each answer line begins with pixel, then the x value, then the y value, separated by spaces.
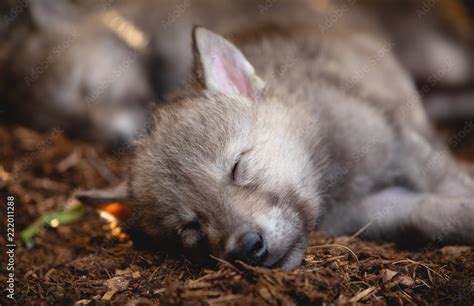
pixel 96 69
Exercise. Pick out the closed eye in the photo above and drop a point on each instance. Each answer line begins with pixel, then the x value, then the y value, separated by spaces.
pixel 235 173
pixel 234 170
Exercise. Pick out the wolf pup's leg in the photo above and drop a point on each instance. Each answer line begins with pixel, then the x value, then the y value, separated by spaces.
pixel 410 218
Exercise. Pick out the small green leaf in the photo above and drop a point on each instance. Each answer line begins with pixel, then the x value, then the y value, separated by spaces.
pixel 52 219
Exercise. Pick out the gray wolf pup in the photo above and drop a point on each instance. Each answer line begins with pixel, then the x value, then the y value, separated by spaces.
pixel 292 131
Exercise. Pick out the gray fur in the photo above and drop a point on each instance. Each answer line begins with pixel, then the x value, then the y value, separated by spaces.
pixel 337 139
pixel 316 149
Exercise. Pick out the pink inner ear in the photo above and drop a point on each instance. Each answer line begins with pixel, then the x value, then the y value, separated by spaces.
pixel 231 75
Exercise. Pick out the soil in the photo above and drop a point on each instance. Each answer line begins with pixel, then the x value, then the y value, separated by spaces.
pixel 85 263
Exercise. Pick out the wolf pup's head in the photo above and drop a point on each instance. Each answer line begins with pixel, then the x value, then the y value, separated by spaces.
pixel 224 172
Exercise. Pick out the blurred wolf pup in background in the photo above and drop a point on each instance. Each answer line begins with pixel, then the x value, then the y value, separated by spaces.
pixel 65 68
pixel 247 161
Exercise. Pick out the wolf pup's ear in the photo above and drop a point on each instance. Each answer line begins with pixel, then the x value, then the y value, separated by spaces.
pixel 221 67
pixel 53 14
pixel 112 200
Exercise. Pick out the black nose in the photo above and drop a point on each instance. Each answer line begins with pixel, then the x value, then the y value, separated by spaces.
pixel 251 248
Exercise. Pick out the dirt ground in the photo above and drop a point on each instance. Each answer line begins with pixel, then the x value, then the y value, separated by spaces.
pixel 84 263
